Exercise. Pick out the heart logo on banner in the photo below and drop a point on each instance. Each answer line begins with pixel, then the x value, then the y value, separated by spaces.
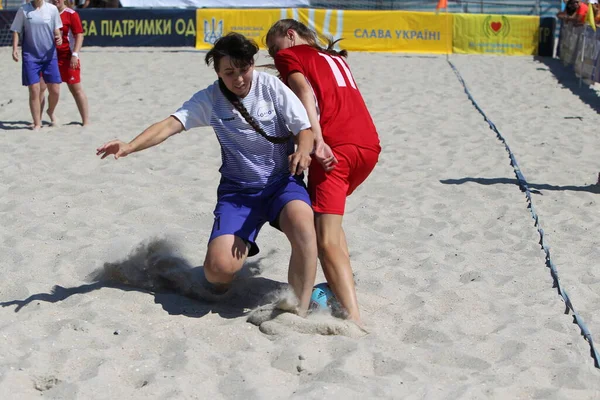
pixel 496 26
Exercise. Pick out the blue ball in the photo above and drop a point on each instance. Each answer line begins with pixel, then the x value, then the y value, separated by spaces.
pixel 322 298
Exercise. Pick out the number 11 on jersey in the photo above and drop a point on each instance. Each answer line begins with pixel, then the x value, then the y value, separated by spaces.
pixel 339 78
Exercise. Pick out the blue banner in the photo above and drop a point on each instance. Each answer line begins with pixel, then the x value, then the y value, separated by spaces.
pixel 140 27
pixel 6 19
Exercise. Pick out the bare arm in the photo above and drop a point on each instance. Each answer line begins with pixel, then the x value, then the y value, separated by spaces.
pixel 306 141
pixel 323 153
pixel 15 42
pixel 156 134
pixel 76 48
pixel 15 46
pixel 300 160
pixel 151 136
pixel 78 43
pixel 297 82
pixel 57 37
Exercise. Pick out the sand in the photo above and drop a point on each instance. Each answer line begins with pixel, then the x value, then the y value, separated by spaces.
pixel 451 279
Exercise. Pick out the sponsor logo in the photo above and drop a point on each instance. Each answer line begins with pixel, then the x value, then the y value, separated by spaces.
pixel 213 30
pixel 496 26
pixel 265 111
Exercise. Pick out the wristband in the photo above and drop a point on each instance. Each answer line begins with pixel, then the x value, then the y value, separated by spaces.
pixel 75 55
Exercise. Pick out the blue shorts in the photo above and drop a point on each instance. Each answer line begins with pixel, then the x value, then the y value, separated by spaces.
pixel 48 69
pixel 243 214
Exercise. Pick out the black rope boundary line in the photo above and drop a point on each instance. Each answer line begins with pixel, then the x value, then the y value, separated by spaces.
pixel 525 188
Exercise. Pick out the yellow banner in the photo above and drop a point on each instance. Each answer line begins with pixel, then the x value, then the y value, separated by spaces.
pixel 253 23
pixel 389 31
pixel 496 34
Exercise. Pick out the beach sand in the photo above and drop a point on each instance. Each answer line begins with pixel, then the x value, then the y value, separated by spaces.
pixel 451 279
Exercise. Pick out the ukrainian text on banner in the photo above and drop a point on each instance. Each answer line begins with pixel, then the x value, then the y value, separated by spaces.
pixel 213 3
pixel 124 27
pixel 497 34
pixel 390 31
pixel 252 23
pixel 393 31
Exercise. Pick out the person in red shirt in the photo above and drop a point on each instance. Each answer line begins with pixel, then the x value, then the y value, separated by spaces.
pixel 347 145
pixel 575 11
pixel 69 63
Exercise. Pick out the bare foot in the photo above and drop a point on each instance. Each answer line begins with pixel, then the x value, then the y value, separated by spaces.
pixel 53 119
pixel 35 127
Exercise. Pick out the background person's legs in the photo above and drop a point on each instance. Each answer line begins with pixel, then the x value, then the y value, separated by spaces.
pixel 35 106
pixel 53 96
pixel 42 97
pixel 81 101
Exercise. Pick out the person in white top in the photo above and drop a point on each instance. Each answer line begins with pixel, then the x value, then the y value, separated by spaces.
pixel 263 163
pixel 39 25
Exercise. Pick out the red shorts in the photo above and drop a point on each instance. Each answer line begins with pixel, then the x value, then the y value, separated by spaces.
pixel 68 74
pixel 328 190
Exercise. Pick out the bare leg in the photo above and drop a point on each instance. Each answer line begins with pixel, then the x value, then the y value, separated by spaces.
pixel 81 101
pixel 344 243
pixel 334 256
pixel 42 98
pixel 224 258
pixel 34 105
pixel 296 221
pixel 53 96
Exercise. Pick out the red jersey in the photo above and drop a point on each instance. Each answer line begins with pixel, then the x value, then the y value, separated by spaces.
pixel 582 11
pixel 343 114
pixel 71 27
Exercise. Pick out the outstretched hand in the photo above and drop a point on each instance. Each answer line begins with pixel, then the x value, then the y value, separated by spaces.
pixel 116 147
pixel 325 156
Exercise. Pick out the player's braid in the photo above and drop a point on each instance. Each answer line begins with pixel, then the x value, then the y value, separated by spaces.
pixel 233 99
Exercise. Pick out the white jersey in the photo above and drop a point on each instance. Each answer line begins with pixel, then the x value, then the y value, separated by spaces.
pixel 249 161
pixel 37 29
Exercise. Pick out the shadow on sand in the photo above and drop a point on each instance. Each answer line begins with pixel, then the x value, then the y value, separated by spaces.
pixel 566 77
pixel 179 288
pixel 533 187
